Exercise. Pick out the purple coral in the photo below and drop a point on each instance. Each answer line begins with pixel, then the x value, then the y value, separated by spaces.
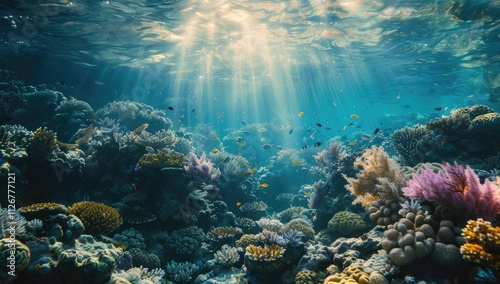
pixel 201 169
pixel 457 188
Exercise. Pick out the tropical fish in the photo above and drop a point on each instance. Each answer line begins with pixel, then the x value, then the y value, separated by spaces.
pixel 215 151
pixel 345 127
pixel 226 160
pixel 150 149
pixel 352 143
pixel 307 193
pixel 317 144
pixel 97 82
pixel 246 132
pixel 376 131
pixel 304 147
pixel 262 139
pixel 301 114
pixel 290 132
pixel 398 96
pixel 328 128
pixel 312 134
pixel 262 129
pixel 267 146
pixel 279 147
pixel 264 185
pixel 240 143
pixel 193 110
pixel 412 89
pixel 318 124
pixel 239 139
pixel 250 172
pixel 288 126
pixel 296 163
pixel 354 115
pixel 243 122
pixel 438 108
pixel 238 204
pixel 170 108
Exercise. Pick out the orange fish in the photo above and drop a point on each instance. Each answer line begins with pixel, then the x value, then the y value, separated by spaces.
pixel 296 163
pixel 354 116
pixel 264 185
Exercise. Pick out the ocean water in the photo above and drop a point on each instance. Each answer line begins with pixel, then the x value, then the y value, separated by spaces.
pixel 182 115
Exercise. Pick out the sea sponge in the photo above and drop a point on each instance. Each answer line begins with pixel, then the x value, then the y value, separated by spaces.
pixel 380 177
pixel 306 277
pixel 160 160
pixel 346 223
pixel 42 144
pixel 485 122
pixel 97 218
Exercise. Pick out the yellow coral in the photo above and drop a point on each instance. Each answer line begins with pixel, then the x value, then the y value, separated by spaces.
pixel 42 144
pixel 482 243
pixel 160 160
pixel 265 253
pixel 224 232
pixel 40 210
pixel 306 277
pixel 96 217
pixel 380 177
pixel 350 275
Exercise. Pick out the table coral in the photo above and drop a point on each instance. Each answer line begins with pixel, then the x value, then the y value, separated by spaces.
pixel 97 218
pixel 380 177
pixel 40 210
pixel 482 244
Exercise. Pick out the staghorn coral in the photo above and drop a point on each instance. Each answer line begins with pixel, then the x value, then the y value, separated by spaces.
pixel 264 253
pixel 380 178
pixel 201 169
pixel 226 256
pixel 160 160
pixel 482 244
pixel 485 122
pixel 42 144
pixel 180 272
pixel 347 223
pixel 458 189
pixel 96 217
pixel 406 140
pixel 224 232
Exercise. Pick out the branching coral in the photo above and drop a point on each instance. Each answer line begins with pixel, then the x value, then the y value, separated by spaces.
pixel 458 189
pixel 264 253
pixel 380 177
pixel 224 232
pixel 226 256
pixel 97 218
pixel 406 143
pixel 201 169
pixel 42 144
pixel 482 244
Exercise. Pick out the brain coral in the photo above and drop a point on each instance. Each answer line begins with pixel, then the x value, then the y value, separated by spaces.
pixel 96 217
pixel 350 275
pixel 472 111
pixel 485 122
pixel 346 223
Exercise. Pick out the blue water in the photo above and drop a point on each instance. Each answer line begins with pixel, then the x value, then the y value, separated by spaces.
pixel 291 75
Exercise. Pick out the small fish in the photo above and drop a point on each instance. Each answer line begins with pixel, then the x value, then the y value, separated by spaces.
pixel 290 132
pixel 312 134
pixel 304 147
pixel 239 139
pixel 345 127
pixel 193 110
pixel 438 108
pixel 238 204
pixel 301 114
pixel 262 129
pixel 267 146
pixel 376 131
pixel 319 124
pixel 398 96
pixel 412 89
pixel 240 143
pixel 352 143
pixel 431 91
pixel 215 151
pixel 226 160
pixel 317 144
pixel 246 132
pixel 264 185
pixel 328 128
pixel 249 174
pixel 150 150
pixel 351 123
pixel 170 108
pixel 262 139
pixel 243 122
pixel 442 143
pixel 288 126
pixel 307 193
pixel 279 147
pixel 296 163
pixel 97 82
pixel 354 116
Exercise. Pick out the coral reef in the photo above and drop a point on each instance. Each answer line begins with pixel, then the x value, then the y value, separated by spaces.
pixel 482 244
pixel 201 169
pixel 380 178
pixel 40 210
pixel 350 275
pixel 160 160
pixel 71 115
pixel 452 126
pixel 14 258
pixel 227 256
pixel 306 277
pixel 186 241
pixel 131 238
pixel 138 275
pixel 97 218
pixel 144 259
pixel 457 188
pixel 224 233
pixel 180 272
pixel 333 154
pixel 42 145
pixel 264 260
pixel 347 223
pixel 384 212
pixel 485 122
pixel 406 143
pixel 473 111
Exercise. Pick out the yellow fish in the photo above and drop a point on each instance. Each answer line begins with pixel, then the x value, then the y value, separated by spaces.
pixel 238 204
pixel 301 114
pixel 264 185
pixel 296 163
pixel 216 151
pixel 352 143
pixel 354 116
pixel 250 172
pixel 345 127
pixel 240 143
pixel 307 193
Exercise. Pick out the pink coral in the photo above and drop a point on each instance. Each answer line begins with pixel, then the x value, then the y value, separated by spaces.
pixel 201 169
pixel 457 188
